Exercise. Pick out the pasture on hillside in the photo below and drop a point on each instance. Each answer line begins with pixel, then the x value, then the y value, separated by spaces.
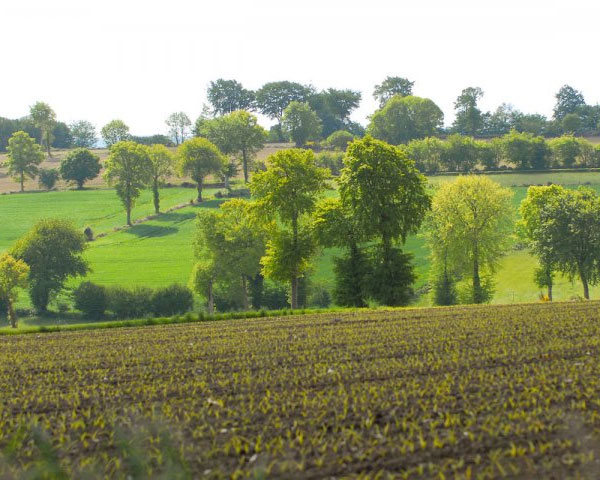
pixel 460 392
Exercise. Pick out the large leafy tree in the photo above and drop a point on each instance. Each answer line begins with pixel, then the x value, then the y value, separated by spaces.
pixel 333 107
pixel 53 250
pixel 471 223
pixel 24 157
pixel 301 123
pixel 13 275
pixel 563 227
pixel 387 198
pixel 568 100
pixel 469 119
pixel 128 168
pixel 405 118
pixel 226 96
pixel 179 124
pixel 79 166
pixel 237 134
pixel 114 131
pixel 391 87
pixel 274 97
pixel 44 118
pixel 198 158
pixel 232 242
pixel 287 192
pixel 161 166
pixel 83 133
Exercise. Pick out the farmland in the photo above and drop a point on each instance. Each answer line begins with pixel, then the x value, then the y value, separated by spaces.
pixel 462 392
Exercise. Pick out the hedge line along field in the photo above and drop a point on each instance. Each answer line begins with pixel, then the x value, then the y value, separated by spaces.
pixel 464 392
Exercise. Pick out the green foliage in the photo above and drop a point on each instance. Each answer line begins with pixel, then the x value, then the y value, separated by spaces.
pixel 44 118
pixel 179 124
pixel 13 275
pixel 568 101
pixel 340 139
pixel 128 168
pixel 392 276
pixel 24 156
pixel 525 151
pixel 469 119
pixel 274 97
pixel 90 299
pixel 391 87
pixel 48 177
pixel 226 96
pixel 53 250
pixel 198 158
pixel 333 161
pixel 460 154
pixel 172 300
pixel 565 151
pixel 156 139
pixel 427 153
pixel 161 167
pixel 84 134
pixel 114 131
pixel 300 123
pixel 333 108
pixel 133 302
pixel 352 274
pixel 444 290
pixel 79 166
pixel 405 118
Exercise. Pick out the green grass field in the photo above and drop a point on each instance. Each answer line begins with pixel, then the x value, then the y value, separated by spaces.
pixel 159 252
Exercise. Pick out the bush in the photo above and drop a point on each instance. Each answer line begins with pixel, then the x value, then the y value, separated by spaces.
pixel 172 300
pixel 89 234
pixel 331 160
pixel 340 139
pixel 319 297
pixel 274 297
pixel 79 166
pixel 130 302
pixel 91 299
pixel 47 178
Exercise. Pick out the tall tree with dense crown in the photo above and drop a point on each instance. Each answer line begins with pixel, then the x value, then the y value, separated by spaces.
pixel 161 166
pixel 473 221
pixel 226 96
pixel 115 131
pixel 179 124
pixel 44 118
pixel 24 157
pixel 274 97
pixel 198 158
pixel 288 191
pixel 469 119
pixel 390 87
pixel 405 118
pixel 80 165
pixel 568 101
pixel 53 250
pixel 387 197
pixel 13 275
pixel 128 168
pixel 301 123
pixel 83 133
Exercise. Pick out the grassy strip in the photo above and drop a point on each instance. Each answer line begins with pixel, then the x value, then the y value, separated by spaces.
pixel 187 318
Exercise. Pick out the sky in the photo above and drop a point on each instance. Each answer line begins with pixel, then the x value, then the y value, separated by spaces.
pixel 139 60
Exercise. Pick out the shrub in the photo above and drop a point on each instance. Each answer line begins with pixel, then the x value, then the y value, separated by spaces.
pixel 331 160
pixel 130 302
pixel 79 166
pixel 47 178
pixel 172 300
pixel 91 299
pixel 274 297
pixel 340 139
pixel 319 297
pixel 89 234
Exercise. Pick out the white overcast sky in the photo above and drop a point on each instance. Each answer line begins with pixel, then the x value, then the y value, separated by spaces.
pixel 140 60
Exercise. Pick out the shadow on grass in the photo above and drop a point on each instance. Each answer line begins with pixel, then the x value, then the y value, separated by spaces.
pixel 175 217
pixel 150 231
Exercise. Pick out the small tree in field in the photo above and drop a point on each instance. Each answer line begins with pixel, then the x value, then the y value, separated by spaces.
pixel 114 131
pixel 47 178
pixel 52 249
pixel 288 191
pixel 24 157
pixel 44 118
pixel 198 158
pixel 301 123
pixel 161 166
pixel 13 275
pixel 128 168
pixel 79 166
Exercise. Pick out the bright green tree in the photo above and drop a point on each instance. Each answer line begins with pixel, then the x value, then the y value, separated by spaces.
pixel 44 118
pixel 525 151
pixel 198 158
pixel 405 118
pixel 24 157
pixel 340 139
pixel 79 166
pixel 565 151
pixel 387 198
pixel 472 220
pixel 53 250
pixel 114 131
pixel 13 275
pixel 128 168
pixel 301 123
pixel 427 153
pixel 287 191
pixel 161 167
pixel 461 153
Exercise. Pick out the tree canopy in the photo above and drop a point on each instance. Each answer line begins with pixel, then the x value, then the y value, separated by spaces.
pixel 114 131
pixel 391 87
pixel 79 166
pixel 226 96
pixel 24 157
pixel 301 123
pixel 198 158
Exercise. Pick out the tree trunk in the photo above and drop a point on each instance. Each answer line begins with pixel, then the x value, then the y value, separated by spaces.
pixel 245 163
pixel 156 196
pixel 22 182
pixel 586 288
pixel 128 209
pixel 245 300
pixel 294 299
pixel 211 299
pixel 550 292
pixel 12 314
pixel 477 293
pixel 199 199
pixel 48 144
